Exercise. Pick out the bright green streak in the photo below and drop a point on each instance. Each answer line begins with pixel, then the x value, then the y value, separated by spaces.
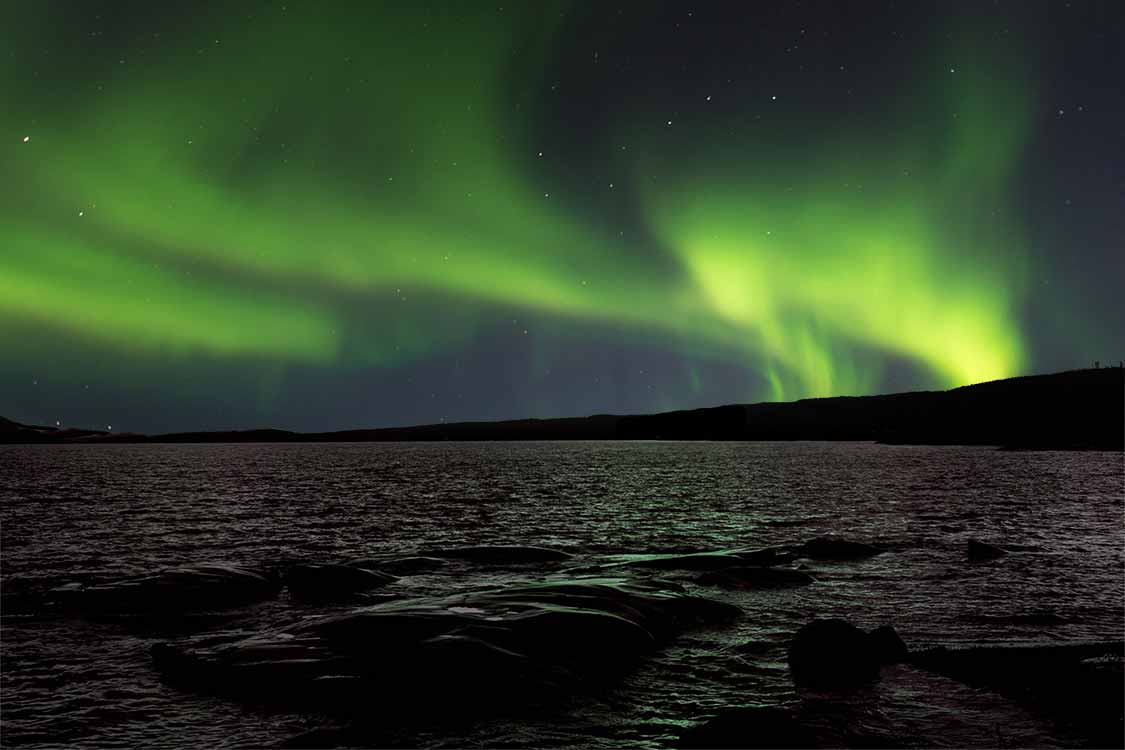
pixel 239 197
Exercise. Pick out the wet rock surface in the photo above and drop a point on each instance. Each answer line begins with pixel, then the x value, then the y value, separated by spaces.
pixel 496 647
pixel 833 654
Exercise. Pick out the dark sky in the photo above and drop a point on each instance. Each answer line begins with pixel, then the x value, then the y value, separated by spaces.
pixel 294 215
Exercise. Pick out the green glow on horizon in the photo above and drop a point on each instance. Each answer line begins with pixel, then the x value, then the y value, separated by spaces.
pixel 190 209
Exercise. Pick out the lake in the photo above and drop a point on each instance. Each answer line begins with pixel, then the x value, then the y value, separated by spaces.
pixel 88 514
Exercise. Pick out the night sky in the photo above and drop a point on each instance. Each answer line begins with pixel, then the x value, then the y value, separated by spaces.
pixel 280 214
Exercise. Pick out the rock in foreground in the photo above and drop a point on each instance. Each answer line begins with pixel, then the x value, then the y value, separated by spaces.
pixel 832 654
pixel 453 654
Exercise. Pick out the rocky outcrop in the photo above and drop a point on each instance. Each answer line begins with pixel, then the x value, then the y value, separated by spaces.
pixel 832 654
pixel 466 652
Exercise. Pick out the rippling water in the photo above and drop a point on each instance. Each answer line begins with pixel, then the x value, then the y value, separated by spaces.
pixel 88 513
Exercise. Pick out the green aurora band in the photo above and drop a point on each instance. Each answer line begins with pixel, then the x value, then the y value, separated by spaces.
pixel 259 194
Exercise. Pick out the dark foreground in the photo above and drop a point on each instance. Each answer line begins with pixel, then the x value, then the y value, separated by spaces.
pixel 1078 410
pixel 567 595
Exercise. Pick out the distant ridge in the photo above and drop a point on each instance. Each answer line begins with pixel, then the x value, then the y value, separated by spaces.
pixel 1075 410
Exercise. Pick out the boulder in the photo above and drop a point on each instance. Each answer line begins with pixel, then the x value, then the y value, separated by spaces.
pixel 832 654
pixel 756 578
pixel 834 548
pixel 750 727
pixel 332 582
pixel 464 653
pixel 887 646
pixel 979 551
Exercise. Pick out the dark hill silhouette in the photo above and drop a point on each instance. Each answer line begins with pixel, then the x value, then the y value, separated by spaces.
pixel 1080 409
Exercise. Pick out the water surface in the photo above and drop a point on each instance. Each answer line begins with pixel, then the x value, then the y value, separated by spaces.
pixel 87 513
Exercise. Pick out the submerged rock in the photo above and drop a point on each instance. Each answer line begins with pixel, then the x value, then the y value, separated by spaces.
pixel 756 578
pixel 750 727
pixel 833 653
pixel 461 653
pixel 834 548
pixel 979 551
pixel 186 588
pixel 501 554
pixel 331 582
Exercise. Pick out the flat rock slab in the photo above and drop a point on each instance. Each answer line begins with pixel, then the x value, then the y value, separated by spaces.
pixel 470 652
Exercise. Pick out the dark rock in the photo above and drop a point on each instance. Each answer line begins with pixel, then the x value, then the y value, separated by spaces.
pixel 501 554
pixel 756 578
pixel 887 646
pixel 833 548
pixel 750 727
pixel 465 653
pixel 323 583
pixel 979 551
pixel 828 654
pixel 186 588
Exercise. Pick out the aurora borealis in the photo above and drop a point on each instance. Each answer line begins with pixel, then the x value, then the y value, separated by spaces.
pixel 312 218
